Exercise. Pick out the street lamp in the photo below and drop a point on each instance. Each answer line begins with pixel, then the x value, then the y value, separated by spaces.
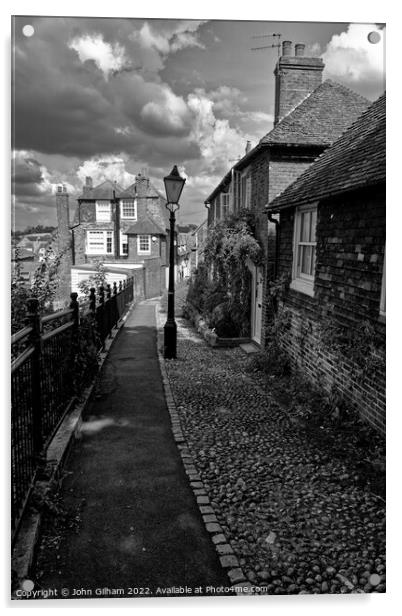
pixel 173 186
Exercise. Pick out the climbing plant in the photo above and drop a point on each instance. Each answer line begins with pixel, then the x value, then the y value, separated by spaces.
pixel 221 287
pixel 361 345
pixel 44 285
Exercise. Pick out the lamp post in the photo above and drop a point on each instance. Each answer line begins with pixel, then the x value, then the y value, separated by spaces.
pixel 173 186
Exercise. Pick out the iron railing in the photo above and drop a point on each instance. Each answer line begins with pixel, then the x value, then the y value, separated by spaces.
pixel 43 383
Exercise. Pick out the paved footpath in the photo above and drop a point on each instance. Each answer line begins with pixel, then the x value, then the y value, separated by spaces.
pixel 138 523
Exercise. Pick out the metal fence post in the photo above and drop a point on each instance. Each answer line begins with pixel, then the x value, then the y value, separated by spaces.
pixel 34 320
pixel 92 300
pixel 76 310
pixel 101 314
pixel 109 315
pixel 114 299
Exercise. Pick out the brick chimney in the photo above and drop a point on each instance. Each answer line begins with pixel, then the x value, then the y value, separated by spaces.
pixel 296 76
pixel 63 247
pixel 87 186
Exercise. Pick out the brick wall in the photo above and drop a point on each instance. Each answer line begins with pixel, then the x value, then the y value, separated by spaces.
pixel 154 277
pixel 272 172
pixel 88 222
pixel 349 264
pixel 295 78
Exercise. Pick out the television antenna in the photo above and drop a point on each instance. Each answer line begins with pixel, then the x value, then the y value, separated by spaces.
pixel 276 43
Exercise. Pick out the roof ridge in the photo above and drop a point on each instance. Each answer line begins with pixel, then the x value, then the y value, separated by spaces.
pixel 328 82
pixel 346 88
pixel 359 145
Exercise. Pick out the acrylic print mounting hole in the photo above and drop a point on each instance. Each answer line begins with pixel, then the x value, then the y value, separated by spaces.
pixel 374 37
pixel 28 30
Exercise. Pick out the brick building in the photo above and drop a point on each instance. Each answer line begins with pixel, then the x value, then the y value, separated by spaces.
pixel 198 238
pixel 309 116
pixel 125 229
pixel 331 237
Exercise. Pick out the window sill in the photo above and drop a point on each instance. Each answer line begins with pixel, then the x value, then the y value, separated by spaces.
pixel 302 287
pixel 381 318
pixel 99 254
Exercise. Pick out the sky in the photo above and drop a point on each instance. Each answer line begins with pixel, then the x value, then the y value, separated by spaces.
pixel 113 97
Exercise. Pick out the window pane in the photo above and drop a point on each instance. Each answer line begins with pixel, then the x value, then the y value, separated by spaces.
pixel 312 269
pixel 313 225
pixel 103 211
pixel 305 227
pixel 144 243
pixel 305 259
pixel 128 209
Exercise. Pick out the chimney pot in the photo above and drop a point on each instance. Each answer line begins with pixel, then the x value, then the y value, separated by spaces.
pixel 88 182
pixel 287 48
pixel 60 189
pixel 248 147
pixel 299 49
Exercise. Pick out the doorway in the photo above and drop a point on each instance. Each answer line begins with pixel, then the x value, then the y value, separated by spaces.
pixel 257 286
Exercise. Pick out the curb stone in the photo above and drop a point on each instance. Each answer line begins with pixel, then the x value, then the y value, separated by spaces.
pixel 24 549
pixel 229 562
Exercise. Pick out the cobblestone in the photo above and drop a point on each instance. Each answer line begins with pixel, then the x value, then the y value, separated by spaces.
pixel 290 506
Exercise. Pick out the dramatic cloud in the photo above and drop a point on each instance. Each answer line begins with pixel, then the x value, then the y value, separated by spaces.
pixel 111 97
pixel 169 36
pixel 351 59
pixel 167 116
pixel 106 168
pixel 107 57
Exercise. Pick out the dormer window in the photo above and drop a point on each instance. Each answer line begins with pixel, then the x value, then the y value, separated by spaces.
pixel 128 209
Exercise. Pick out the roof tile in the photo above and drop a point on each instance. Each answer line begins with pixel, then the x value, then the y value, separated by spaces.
pixel 320 118
pixel 355 160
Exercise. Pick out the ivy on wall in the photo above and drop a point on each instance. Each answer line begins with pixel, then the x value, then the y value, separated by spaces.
pixel 221 288
pixel 360 345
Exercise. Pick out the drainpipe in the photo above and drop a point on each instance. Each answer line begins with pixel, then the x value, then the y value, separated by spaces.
pixel 116 226
pixel 73 235
pixel 277 240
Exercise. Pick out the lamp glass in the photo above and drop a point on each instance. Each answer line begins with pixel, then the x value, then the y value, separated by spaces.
pixel 173 185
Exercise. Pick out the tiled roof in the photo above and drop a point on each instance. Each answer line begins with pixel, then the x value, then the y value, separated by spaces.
pixel 320 118
pixel 355 160
pixel 146 226
pixel 105 191
pixel 317 121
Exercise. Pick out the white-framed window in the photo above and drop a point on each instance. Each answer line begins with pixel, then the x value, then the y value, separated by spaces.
pixel 245 187
pixel 225 204
pixel 304 247
pixel 383 291
pixel 103 211
pixel 99 242
pixel 123 244
pixel 128 209
pixel 217 207
pixel 144 244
